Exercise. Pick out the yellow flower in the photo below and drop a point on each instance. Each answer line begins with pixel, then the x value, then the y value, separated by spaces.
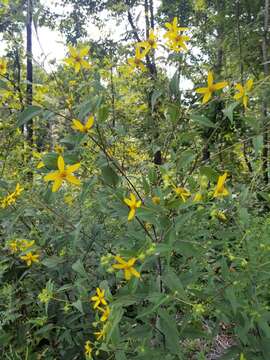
pixel 13 246
pixel 45 296
pixel 242 92
pixel 59 149
pixel 30 258
pixel 99 298
pixel 76 58
pixel 3 66
pixel 18 190
pixel 127 267
pixel 150 43
pixel 11 198
pixel 211 87
pixel 136 62
pixel 133 205
pixel 40 165
pixel 63 173
pixel 176 41
pixel 220 189
pixel 156 200
pixel 25 244
pixel 87 348
pixel 197 197
pixel 77 125
pixel 100 334
pixel 182 193
pixel 106 313
pixel 219 215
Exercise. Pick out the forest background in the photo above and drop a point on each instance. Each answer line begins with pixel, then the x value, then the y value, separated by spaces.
pixel 134 189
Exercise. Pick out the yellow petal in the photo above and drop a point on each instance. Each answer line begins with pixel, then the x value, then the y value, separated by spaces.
pixel 89 122
pixel 249 85
pixel 56 185
pixel 127 274
pixel 52 176
pixel 133 198
pixel 72 51
pixel 84 51
pixel 61 163
pixel 73 180
pixel 77 125
pixel 220 85
pixel 131 261
pixel 238 96
pixel 131 214
pixel 207 97
pixel 128 202
pixel 118 266
pixel 135 272
pixel 40 165
pixel 120 260
pixel 245 101
pixel 85 64
pixel 240 88
pixel 210 78
pixel 77 67
pixel 72 168
pixel 201 90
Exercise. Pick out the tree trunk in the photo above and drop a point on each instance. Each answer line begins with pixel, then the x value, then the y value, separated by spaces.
pixel 29 68
pixel 265 102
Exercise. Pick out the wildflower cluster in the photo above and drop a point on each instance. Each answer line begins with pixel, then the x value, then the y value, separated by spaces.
pixel 11 198
pixel 3 66
pixel 26 247
pixel 211 87
pixel 63 173
pixel 127 267
pixel 76 58
pixel 83 128
pixel 175 40
pixel 100 304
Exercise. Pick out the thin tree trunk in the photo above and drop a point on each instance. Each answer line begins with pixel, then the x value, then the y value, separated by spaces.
pixel 29 67
pixel 265 105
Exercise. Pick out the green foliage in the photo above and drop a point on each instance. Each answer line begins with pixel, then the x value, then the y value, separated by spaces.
pixel 152 254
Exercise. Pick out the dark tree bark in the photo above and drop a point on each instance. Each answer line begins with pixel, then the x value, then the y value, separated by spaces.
pixel 29 67
pixel 265 102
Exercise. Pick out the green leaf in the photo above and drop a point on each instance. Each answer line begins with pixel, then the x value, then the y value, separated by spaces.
pixel 228 111
pixel 155 95
pixel 169 329
pixel 202 120
pixel 172 112
pixel 157 300
pixel 115 317
pixel 173 282
pixel 174 84
pixel 258 144
pixel 28 114
pixel 78 305
pixel 186 158
pixel 103 113
pixel 109 175
pixel 79 268
pixel 53 262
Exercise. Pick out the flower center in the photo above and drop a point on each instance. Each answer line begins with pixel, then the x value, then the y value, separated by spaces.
pixel 78 59
pixel 178 38
pixel 63 174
